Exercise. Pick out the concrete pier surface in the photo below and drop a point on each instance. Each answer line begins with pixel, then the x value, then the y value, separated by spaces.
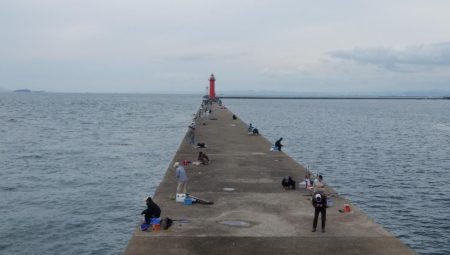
pixel 244 182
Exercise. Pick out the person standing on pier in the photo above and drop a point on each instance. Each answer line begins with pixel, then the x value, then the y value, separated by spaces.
pixel 181 177
pixel 278 144
pixel 191 133
pixel 319 201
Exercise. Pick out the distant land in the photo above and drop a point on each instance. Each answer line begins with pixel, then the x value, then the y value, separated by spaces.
pixel 22 90
pixel 27 91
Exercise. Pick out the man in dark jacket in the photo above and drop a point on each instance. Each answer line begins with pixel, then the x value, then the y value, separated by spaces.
pixel 278 144
pixel 319 202
pixel 152 211
pixel 288 183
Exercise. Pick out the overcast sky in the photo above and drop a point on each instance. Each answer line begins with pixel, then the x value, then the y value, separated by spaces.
pixel 173 46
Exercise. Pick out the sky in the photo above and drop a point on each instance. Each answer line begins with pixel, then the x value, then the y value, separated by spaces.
pixel 146 46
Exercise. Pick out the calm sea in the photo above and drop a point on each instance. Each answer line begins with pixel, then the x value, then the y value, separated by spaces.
pixel 76 167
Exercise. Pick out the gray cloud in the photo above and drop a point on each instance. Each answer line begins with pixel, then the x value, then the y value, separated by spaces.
pixel 149 45
pixel 411 59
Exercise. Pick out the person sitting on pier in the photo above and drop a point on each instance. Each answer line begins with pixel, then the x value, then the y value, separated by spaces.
pixel 202 157
pixel 288 183
pixel 252 130
pixel 319 201
pixel 234 117
pixel 278 144
pixel 152 211
pixel 318 184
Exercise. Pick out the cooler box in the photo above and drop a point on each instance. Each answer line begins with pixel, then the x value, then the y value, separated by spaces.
pixel 188 201
pixel 155 221
pixel 180 197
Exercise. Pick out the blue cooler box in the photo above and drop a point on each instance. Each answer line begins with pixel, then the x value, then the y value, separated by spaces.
pixel 188 201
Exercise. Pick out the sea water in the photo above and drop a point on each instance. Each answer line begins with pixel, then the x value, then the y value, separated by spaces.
pixel 76 168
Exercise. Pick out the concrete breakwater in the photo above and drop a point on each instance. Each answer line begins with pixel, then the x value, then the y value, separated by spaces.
pixel 244 181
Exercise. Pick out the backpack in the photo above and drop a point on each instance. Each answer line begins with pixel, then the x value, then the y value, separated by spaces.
pixel 166 223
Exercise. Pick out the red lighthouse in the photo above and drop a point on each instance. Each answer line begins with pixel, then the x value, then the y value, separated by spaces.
pixel 212 89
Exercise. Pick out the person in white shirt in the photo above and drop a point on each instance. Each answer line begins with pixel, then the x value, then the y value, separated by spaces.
pixel 318 185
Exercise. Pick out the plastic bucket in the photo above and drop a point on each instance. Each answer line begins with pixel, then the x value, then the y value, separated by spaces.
pixel 347 208
pixel 156 227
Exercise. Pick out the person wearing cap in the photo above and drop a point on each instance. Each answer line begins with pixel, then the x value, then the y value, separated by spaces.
pixel 181 177
pixel 318 185
pixel 278 144
pixel 152 211
pixel 319 201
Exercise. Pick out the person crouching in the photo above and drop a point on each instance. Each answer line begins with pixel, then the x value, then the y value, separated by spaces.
pixel 288 183
pixel 203 158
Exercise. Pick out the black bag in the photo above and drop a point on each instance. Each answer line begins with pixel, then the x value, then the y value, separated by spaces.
pixel 166 223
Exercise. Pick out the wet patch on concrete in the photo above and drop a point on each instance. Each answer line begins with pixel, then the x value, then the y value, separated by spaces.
pixel 236 223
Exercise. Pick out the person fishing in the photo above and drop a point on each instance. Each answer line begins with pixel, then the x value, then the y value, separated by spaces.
pixel 319 185
pixel 250 128
pixel 278 144
pixel 152 211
